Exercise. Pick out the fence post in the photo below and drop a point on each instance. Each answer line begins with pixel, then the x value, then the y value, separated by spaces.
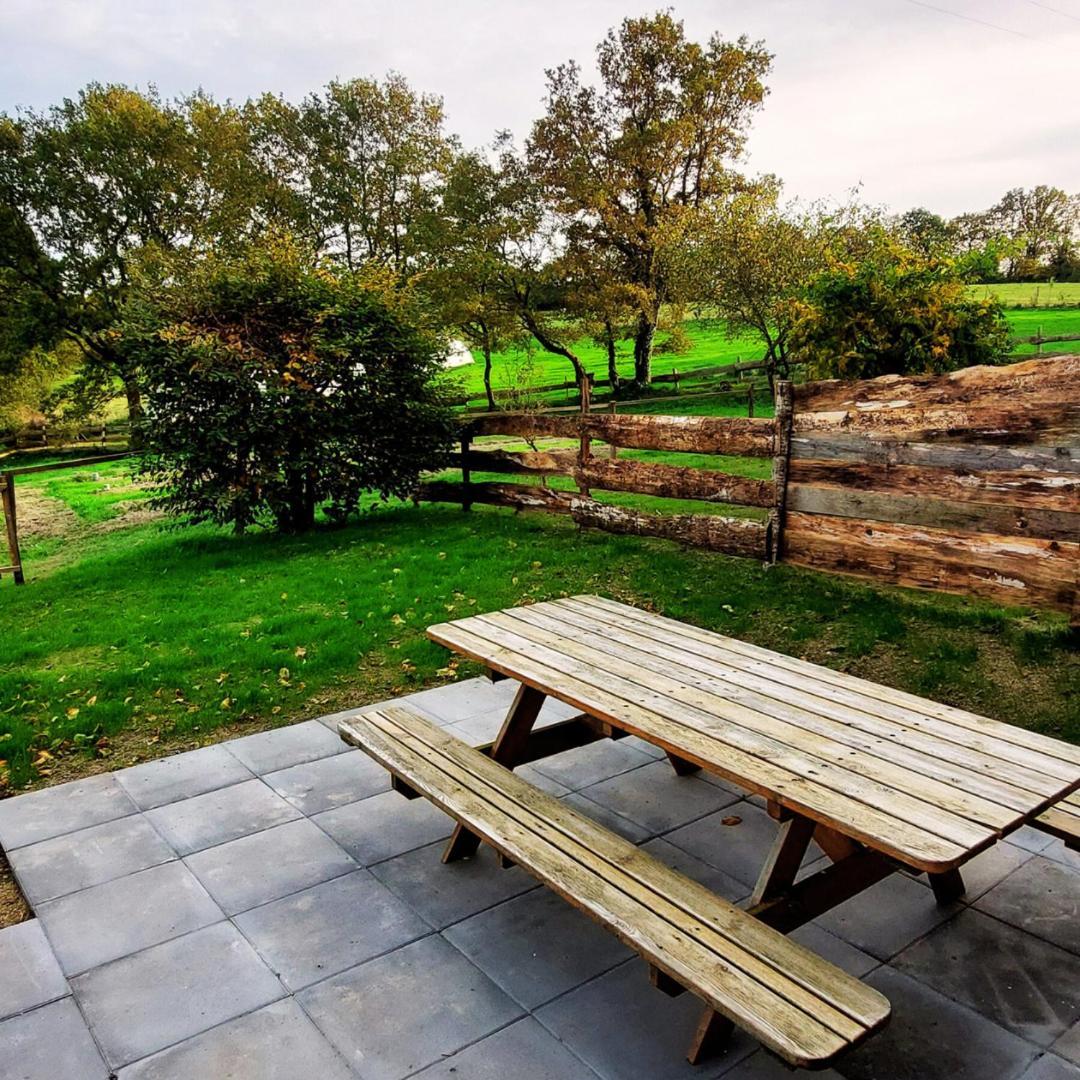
pixel 613 450
pixel 466 440
pixel 750 399
pixel 784 413
pixel 675 378
pixel 7 496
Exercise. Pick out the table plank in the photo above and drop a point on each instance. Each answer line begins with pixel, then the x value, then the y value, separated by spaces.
pixel 918 781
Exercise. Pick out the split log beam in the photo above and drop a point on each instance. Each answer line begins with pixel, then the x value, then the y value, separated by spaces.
pixel 675 482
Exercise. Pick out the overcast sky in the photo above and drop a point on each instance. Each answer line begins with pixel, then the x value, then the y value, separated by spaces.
pixel 943 103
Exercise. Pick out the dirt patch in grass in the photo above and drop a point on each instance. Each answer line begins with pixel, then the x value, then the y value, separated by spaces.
pixel 13 907
pixel 41 517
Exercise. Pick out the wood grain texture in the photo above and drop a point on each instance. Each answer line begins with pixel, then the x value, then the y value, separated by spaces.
pixel 1007 569
pixel 1034 401
pixel 1021 488
pixel 797 1004
pixel 674 482
pixel 927 509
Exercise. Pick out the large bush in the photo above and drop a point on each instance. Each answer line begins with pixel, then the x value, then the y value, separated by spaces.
pixel 275 386
pixel 889 310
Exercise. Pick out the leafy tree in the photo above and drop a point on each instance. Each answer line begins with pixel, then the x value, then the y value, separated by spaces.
pixel 1038 220
pixel 83 186
pixel 751 258
pixel 893 311
pixel 925 232
pixel 467 237
pixel 275 386
pixel 622 164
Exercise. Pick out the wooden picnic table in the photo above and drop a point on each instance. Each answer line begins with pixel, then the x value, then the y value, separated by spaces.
pixel 881 779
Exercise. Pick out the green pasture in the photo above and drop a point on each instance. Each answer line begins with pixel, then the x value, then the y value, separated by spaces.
pixel 141 639
pixel 1033 294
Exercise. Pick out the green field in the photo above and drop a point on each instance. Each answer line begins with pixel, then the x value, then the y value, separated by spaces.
pixel 131 640
pixel 1039 295
pixel 710 346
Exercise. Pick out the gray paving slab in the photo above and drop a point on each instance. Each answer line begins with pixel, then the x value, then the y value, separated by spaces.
pixel 1030 839
pixel 65 864
pixel 631 830
pixel 1058 852
pixel 108 921
pixel 736 840
pixel 462 700
pixel 334 719
pixel 39 815
pixel 383 826
pixel 167 993
pixel 585 765
pixel 537 946
pixel 544 783
pixel 265 866
pixel 657 798
pixel 330 782
pixel 445 894
pixel 276 1042
pixel 762 1065
pixel 1017 980
pixel 1068 1046
pixel 408 1009
pixel 523 1051
pixel 930 1037
pixel 988 869
pixel 269 751
pixel 30 974
pixel 478 730
pixel 835 949
pixel 626 1030
pixel 182 776
pixel 330 927
pixel 50 1043
pixel 716 880
pixel 219 816
pixel 1051 1067
pixel 888 916
pixel 1042 897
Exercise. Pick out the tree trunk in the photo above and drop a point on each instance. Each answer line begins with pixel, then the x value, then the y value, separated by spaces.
pixel 136 412
pixel 612 365
pixel 643 343
pixel 487 372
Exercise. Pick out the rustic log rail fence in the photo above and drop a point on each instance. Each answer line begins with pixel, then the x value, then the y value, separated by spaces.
pixel 967 482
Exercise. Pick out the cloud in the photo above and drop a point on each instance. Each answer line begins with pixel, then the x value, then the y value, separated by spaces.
pixel 920 106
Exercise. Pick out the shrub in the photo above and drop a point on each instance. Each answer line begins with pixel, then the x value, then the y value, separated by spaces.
pixel 893 311
pixel 274 386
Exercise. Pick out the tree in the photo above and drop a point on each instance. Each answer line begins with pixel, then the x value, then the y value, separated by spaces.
pixel 890 310
pixel 925 232
pixel 84 185
pixel 275 385
pixel 467 237
pixel 751 259
pixel 623 164
pixel 1038 220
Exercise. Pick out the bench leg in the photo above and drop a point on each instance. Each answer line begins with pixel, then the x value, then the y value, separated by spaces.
pixel 948 886
pixel 712 1035
pixel 784 859
pixel 507 749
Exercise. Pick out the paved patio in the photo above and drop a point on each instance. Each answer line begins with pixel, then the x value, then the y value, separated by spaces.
pixel 267 908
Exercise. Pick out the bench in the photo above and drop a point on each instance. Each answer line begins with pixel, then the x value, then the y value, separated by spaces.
pixel 1063 820
pixel 797 1005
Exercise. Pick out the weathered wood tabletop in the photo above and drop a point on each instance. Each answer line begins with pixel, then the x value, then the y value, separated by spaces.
pixel 902 776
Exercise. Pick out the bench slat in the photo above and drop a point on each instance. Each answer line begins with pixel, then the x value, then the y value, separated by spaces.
pixel 1063 821
pixel 791 1000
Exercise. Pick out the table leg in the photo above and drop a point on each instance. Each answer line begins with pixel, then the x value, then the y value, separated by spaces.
pixel 507 749
pixel 681 766
pixel 948 886
pixel 713 1032
pixel 786 856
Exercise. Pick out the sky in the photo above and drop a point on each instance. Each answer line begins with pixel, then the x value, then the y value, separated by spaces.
pixel 937 103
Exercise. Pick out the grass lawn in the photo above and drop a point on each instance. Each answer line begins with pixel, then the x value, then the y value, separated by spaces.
pixel 131 640
pixel 1028 294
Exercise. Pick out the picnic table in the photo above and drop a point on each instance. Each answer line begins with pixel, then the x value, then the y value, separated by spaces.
pixel 883 781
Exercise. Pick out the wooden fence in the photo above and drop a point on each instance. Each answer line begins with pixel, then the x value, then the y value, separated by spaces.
pixel 968 482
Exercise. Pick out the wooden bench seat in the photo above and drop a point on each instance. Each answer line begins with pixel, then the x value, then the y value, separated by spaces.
pixel 1063 820
pixel 799 1006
